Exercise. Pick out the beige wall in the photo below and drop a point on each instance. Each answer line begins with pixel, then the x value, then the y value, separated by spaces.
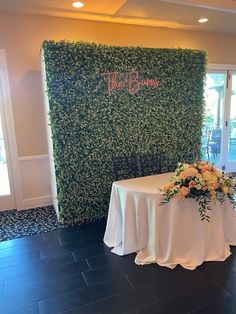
pixel 22 36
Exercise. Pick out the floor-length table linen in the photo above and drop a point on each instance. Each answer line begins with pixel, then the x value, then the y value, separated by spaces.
pixel 170 234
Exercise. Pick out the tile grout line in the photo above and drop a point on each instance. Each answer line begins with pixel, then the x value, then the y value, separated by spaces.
pixel 90 268
pixel 132 286
pixel 220 285
pixel 85 279
pixel 74 257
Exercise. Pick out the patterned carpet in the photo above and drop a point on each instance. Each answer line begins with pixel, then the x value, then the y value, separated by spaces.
pixel 15 224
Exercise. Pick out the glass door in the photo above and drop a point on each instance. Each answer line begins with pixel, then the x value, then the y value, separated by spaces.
pixel 219 125
pixel 7 199
pixel 212 138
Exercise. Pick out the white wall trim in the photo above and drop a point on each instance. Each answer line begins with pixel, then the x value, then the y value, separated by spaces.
pixel 32 157
pixel 44 200
pixel 40 200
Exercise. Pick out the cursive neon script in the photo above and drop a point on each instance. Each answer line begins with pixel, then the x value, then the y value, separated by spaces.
pixel 130 80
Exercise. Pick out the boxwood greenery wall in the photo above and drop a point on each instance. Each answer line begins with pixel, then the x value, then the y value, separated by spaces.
pixel 89 125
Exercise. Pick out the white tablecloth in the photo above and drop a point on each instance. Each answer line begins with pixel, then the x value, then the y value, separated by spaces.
pixel 170 234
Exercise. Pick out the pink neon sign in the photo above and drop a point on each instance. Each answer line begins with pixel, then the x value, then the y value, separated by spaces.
pixel 130 81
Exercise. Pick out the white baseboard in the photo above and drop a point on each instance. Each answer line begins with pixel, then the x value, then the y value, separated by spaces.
pixel 34 202
pixel 35 182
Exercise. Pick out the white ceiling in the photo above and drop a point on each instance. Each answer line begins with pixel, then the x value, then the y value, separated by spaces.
pixel 178 14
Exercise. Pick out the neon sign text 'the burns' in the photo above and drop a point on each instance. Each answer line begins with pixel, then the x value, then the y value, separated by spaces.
pixel 130 81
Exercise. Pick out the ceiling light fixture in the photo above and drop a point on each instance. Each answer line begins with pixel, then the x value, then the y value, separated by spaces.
pixel 78 5
pixel 203 20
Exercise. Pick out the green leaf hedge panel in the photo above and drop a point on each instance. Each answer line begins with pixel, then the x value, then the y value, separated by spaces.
pixel 89 125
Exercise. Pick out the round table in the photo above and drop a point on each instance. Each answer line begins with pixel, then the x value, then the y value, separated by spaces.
pixel 167 234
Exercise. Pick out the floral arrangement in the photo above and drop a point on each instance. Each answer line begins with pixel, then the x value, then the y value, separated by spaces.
pixel 201 181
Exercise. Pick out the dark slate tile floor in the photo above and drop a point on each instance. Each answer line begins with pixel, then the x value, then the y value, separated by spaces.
pixel 71 271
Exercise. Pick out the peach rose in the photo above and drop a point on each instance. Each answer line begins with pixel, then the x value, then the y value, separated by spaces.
pixel 192 184
pixel 168 187
pixel 184 191
pixel 226 189
pixel 204 167
pixel 183 175
pixel 209 176
pixel 214 185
